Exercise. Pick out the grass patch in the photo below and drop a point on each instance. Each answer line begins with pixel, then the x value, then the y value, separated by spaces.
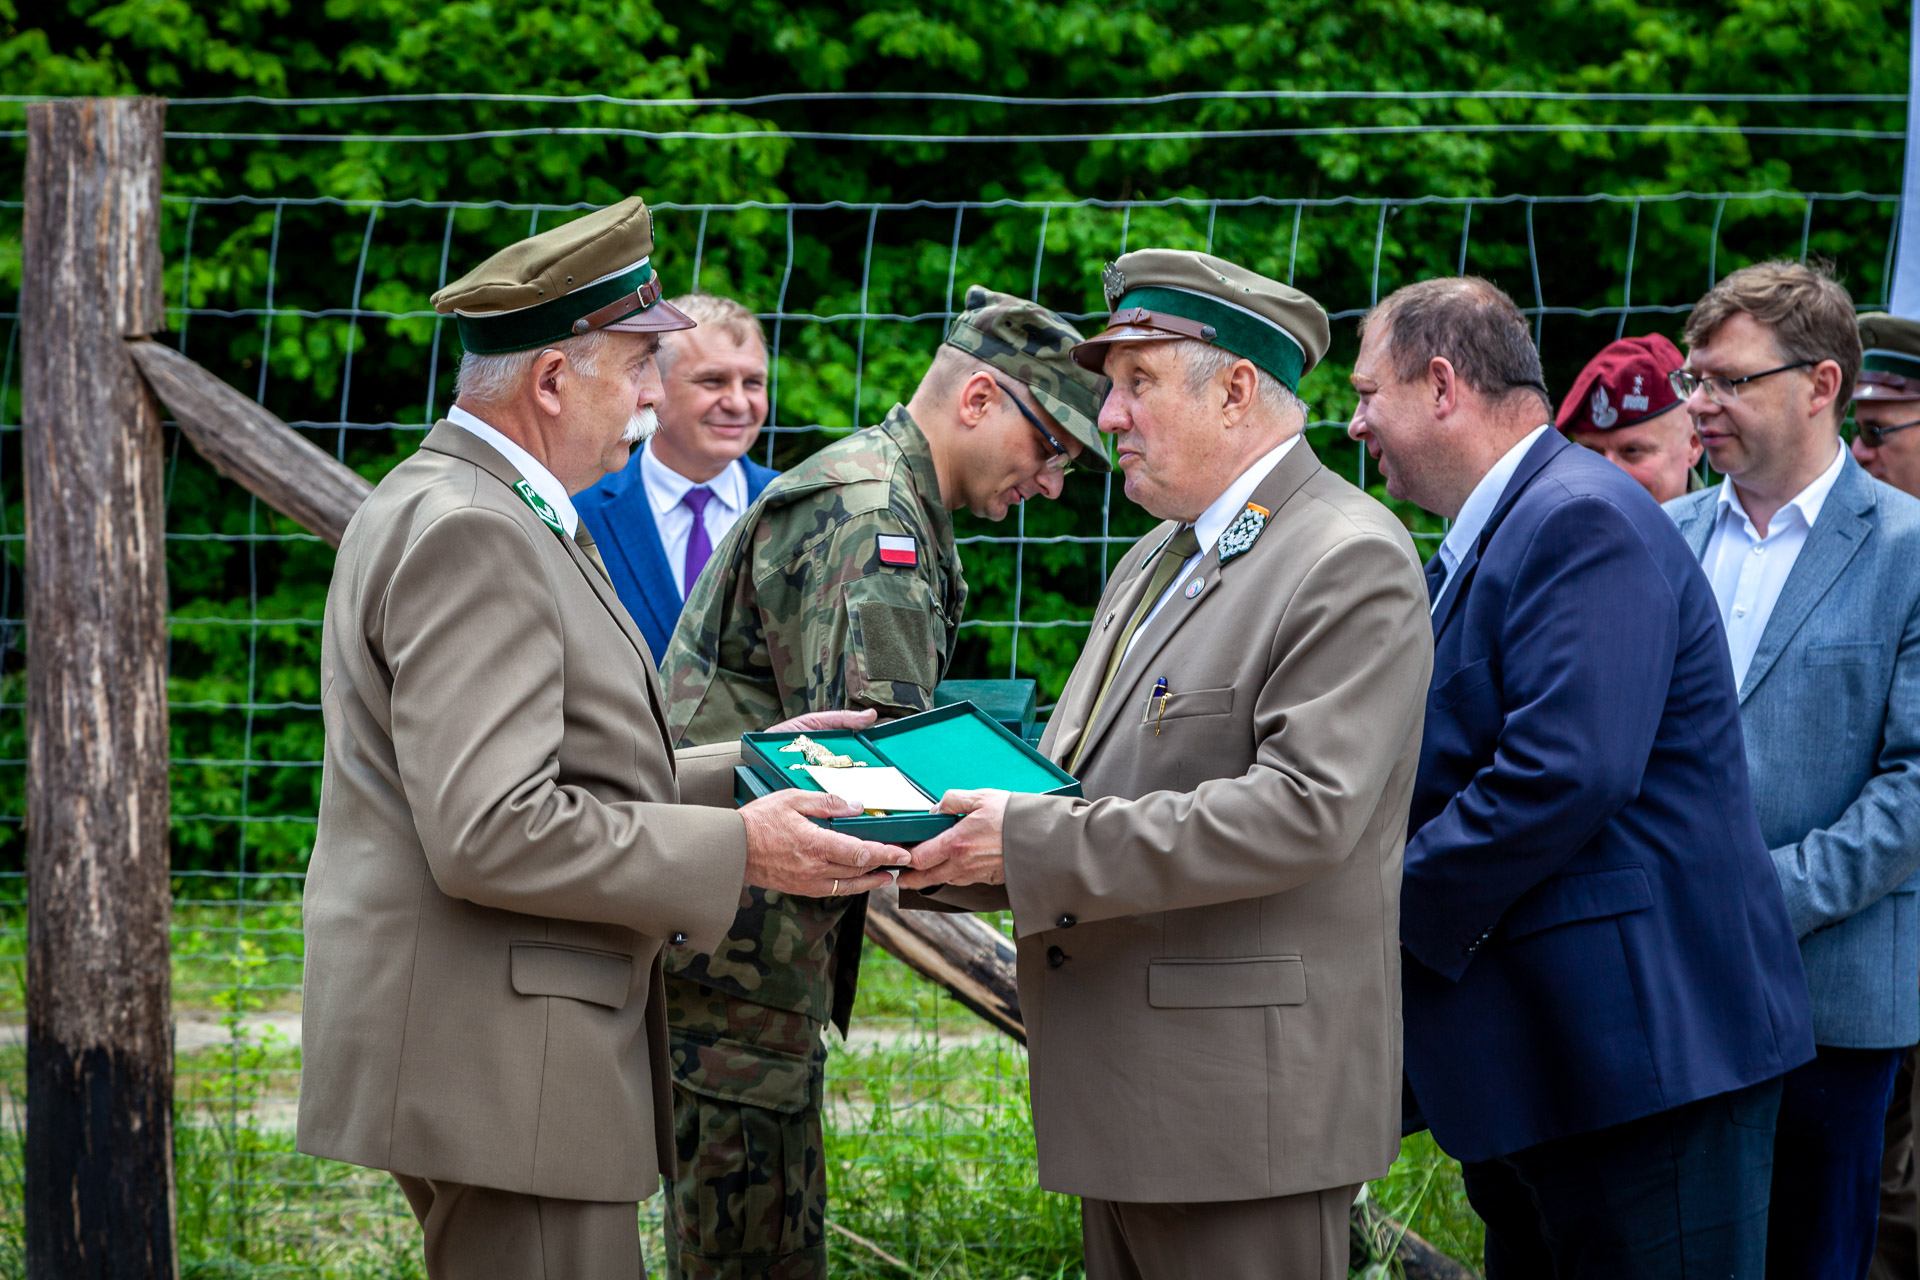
pixel 929 1136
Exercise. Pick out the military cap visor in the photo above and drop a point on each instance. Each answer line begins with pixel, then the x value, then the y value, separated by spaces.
pixel 1890 359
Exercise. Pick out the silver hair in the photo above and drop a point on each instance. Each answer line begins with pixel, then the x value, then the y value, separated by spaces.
pixel 1206 362
pixel 490 379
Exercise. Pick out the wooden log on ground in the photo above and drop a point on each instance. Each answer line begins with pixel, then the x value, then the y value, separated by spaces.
pixel 248 445
pixel 99 1147
pixel 964 954
pixel 1376 1236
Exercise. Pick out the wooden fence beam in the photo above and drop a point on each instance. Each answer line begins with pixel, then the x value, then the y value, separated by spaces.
pixel 99 1150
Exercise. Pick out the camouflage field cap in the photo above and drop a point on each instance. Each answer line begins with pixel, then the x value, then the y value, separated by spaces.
pixel 1890 365
pixel 1157 294
pixel 1026 341
pixel 593 273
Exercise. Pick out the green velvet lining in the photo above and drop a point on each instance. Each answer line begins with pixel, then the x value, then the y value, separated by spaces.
pixel 841 744
pixel 966 753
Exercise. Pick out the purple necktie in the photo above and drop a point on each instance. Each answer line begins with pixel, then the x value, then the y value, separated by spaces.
pixel 699 546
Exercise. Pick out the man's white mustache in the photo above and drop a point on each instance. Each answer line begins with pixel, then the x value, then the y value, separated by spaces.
pixel 641 426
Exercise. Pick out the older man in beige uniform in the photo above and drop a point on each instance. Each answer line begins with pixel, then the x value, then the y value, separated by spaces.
pixel 500 854
pixel 1209 956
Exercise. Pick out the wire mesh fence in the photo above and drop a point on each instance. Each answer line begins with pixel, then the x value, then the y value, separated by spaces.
pixel 317 307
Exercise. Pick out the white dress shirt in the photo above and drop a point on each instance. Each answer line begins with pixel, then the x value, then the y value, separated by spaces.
pixel 1212 523
pixel 1747 570
pixel 543 481
pixel 665 490
pixel 1466 527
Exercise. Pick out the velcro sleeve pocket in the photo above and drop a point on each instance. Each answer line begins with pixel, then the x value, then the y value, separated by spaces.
pixel 1226 984
pixel 751 1074
pixel 894 630
pixel 1589 895
pixel 547 969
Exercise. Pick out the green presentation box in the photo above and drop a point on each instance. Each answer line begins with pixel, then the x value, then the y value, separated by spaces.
pixel 958 747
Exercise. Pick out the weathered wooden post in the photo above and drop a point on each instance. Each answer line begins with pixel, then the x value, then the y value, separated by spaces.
pixel 99 1159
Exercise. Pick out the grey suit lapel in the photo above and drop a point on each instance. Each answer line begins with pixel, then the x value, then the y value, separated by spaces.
pixel 1271 493
pixel 1846 520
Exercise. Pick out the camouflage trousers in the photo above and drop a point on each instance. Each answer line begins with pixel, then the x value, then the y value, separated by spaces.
pixel 749 1201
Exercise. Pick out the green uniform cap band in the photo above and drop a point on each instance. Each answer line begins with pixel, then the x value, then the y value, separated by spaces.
pixel 1880 360
pixel 553 320
pixel 1241 332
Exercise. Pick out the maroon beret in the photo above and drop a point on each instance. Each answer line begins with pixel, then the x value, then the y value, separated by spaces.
pixel 1625 384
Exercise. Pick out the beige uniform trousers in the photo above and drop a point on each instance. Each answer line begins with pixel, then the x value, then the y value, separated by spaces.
pixel 1303 1237
pixel 480 1233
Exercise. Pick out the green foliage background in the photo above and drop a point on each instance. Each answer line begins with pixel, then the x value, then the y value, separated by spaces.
pixel 314 365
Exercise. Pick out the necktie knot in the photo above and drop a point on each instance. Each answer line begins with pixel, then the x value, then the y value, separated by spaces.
pixel 1182 546
pixel 696 500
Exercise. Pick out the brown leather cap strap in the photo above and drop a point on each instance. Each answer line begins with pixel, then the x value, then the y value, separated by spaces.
pixel 1142 318
pixel 625 305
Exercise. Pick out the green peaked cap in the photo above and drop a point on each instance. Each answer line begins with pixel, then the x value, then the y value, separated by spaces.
pixel 1161 294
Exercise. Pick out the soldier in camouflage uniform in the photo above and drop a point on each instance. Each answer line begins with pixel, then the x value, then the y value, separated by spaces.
pixel 841 587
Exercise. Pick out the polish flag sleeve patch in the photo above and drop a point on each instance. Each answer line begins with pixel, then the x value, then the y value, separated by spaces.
pixel 897 549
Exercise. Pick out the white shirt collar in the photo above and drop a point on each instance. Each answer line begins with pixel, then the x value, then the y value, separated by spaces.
pixel 1479 505
pixel 526 464
pixel 667 487
pixel 1807 502
pixel 1214 520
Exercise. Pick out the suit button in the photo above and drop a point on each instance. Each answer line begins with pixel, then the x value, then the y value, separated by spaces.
pixel 1065 921
pixel 678 939
pixel 1055 957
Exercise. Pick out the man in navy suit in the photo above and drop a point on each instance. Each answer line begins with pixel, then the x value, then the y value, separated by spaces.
pixel 1816 569
pixel 657 520
pixel 1601 986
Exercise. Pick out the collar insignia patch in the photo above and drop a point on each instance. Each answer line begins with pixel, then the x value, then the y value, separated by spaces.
pixel 541 507
pixel 1244 531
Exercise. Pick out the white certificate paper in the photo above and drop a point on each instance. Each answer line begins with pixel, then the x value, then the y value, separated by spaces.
pixel 872 788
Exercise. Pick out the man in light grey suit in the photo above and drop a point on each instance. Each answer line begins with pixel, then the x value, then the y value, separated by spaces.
pixel 1816 566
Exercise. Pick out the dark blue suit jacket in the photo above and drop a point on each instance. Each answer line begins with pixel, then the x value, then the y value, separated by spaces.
pixel 1593 926
pixel 618 515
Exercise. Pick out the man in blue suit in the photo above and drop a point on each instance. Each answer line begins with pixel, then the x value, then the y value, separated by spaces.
pixel 657 520
pixel 1601 986
pixel 1816 569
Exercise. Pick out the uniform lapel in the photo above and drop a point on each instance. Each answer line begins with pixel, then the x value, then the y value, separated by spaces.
pixel 463 444
pixel 1846 520
pixel 1271 493
pixel 1076 700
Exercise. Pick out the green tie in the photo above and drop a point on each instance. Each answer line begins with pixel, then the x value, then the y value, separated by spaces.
pixel 1181 547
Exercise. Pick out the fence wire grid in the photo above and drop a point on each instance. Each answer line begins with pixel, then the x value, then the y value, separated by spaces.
pixel 316 306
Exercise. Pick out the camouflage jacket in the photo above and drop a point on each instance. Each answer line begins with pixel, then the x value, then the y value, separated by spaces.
pixel 799 612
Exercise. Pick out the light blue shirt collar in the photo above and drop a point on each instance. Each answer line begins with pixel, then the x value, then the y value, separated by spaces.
pixel 1479 506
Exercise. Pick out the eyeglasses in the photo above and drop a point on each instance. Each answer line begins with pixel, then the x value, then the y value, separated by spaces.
pixel 1722 390
pixel 1059 461
pixel 1874 437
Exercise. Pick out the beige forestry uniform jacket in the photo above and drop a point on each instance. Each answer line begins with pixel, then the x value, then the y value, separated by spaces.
pixel 500 854
pixel 1208 941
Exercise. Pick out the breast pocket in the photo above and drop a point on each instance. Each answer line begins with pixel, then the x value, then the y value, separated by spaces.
pixel 1196 702
pixel 1251 982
